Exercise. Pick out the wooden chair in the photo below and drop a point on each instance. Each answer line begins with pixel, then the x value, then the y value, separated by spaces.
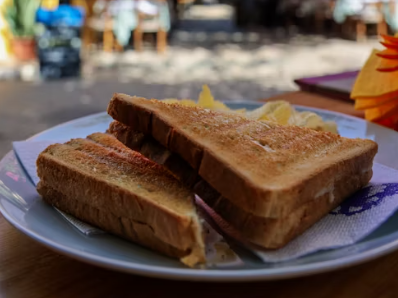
pixel 149 24
pixel 94 24
pixel 318 12
pixel 323 12
pixel 108 38
pixel 361 22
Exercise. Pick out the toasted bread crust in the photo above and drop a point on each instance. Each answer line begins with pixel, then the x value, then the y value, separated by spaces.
pixel 263 168
pixel 126 228
pixel 276 233
pixel 108 177
pixel 266 232
pixel 150 148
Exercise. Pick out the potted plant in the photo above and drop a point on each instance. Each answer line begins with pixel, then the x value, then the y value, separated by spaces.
pixel 21 18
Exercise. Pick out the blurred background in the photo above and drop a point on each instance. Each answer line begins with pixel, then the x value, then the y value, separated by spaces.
pixel 60 60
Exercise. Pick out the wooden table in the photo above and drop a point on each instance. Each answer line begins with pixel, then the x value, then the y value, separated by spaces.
pixel 28 269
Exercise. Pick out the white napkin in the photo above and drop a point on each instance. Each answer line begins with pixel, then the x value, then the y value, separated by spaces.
pixel 352 221
pixel 218 252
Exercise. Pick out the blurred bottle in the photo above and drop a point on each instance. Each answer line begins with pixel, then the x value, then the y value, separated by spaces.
pixel 59 41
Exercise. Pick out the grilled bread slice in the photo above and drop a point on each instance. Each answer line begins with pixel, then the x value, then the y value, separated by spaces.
pixel 102 182
pixel 267 232
pixel 263 168
pixel 151 149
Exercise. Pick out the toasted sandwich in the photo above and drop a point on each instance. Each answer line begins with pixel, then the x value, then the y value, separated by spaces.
pixel 266 232
pixel 102 182
pixel 271 182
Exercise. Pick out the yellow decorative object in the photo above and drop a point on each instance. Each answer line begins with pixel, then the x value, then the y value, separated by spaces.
pixel 368 103
pixel 372 83
pixel 382 112
pixel 50 4
pixel 376 88
pixel 5 33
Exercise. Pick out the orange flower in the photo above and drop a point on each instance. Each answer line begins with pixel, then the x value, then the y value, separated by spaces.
pixel 376 88
pixel 389 57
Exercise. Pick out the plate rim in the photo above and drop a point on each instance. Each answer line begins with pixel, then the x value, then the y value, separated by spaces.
pixel 188 274
pixel 214 275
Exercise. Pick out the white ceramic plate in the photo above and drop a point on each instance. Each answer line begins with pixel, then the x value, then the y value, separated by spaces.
pixel 22 207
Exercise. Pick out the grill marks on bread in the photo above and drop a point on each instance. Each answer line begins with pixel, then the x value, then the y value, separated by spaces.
pixel 100 173
pixel 264 168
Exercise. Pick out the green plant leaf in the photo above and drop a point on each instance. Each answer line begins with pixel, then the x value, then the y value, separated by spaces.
pixel 21 17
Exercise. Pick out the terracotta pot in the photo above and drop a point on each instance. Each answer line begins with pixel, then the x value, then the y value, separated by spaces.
pixel 24 49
